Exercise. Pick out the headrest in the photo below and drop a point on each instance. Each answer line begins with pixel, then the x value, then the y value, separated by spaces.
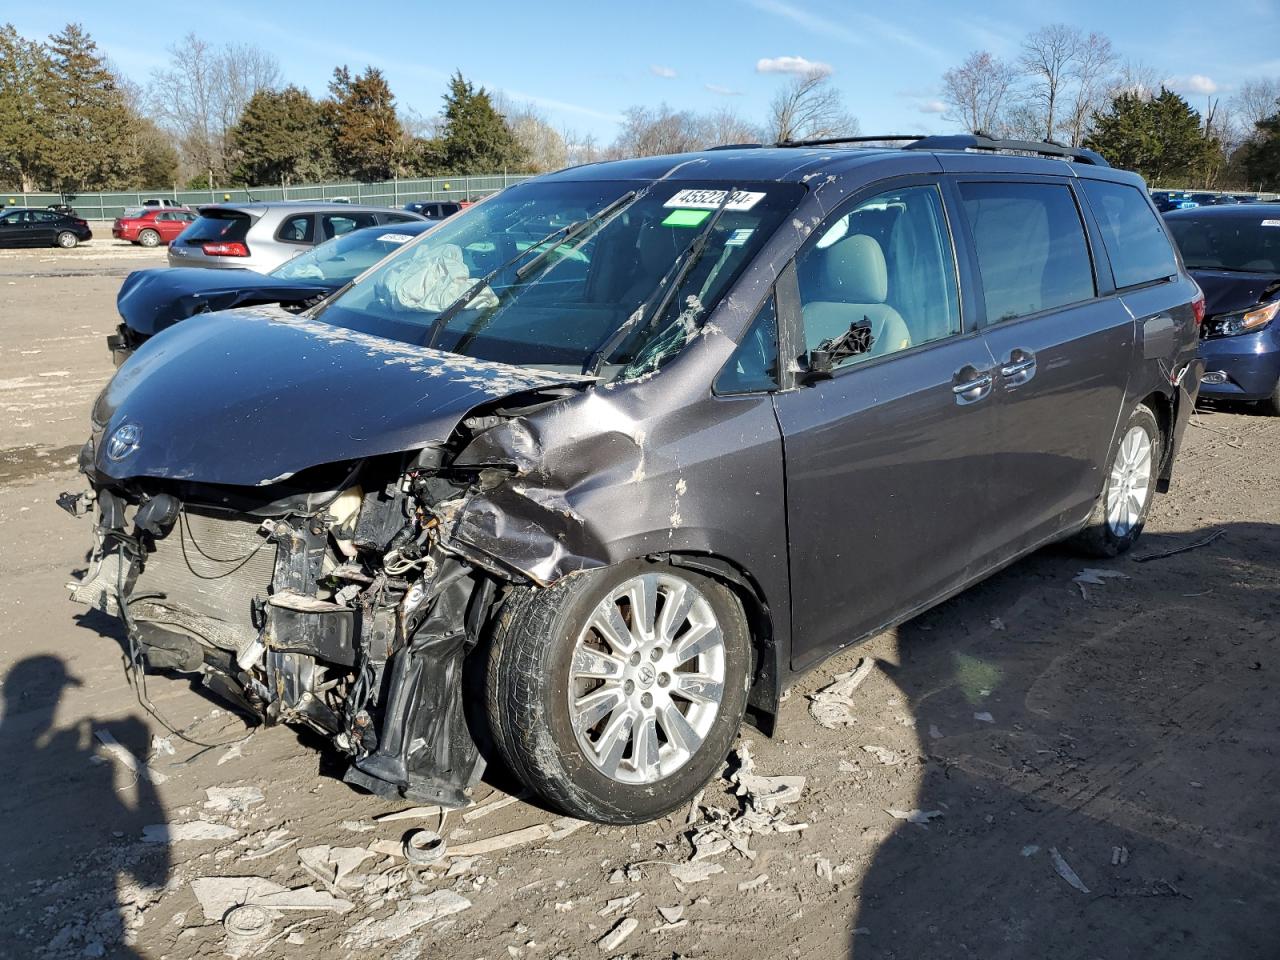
pixel 855 265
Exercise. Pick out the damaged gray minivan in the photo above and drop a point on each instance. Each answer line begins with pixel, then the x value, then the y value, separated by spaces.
pixel 596 467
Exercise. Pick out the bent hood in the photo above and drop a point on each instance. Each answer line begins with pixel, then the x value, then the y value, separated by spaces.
pixel 1227 291
pixel 151 300
pixel 251 396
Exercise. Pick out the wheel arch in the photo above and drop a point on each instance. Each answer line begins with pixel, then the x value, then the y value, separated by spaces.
pixel 762 697
pixel 1161 404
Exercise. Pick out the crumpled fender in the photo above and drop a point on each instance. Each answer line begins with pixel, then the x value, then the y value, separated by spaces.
pixel 534 520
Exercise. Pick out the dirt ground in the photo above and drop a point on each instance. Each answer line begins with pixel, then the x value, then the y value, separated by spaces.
pixel 1094 765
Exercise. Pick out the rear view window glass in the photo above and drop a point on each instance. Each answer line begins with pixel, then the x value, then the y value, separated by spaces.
pixel 224 225
pixel 1031 247
pixel 1136 243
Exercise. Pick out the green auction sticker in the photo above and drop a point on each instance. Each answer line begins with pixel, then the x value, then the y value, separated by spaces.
pixel 685 218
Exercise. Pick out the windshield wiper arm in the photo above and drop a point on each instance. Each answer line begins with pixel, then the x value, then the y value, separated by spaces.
pixel 685 264
pixel 569 230
pixel 574 230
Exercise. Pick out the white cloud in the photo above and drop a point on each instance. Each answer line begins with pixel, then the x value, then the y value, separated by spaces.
pixel 722 91
pixel 933 106
pixel 660 71
pixel 799 65
pixel 1197 83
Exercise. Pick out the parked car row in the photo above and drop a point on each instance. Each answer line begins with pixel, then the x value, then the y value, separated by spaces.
pixel 39 227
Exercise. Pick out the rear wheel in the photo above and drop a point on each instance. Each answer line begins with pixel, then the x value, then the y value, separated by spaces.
pixel 1120 513
pixel 67 239
pixel 616 694
pixel 149 238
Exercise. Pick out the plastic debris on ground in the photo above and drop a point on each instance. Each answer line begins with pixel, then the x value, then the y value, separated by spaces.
pixel 191 830
pixel 832 705
pixel 121 753
pixel 613 939
pixel 1095 577
pixel 1065 871
pixel 919 817
pixel 408 917
pixel 232 799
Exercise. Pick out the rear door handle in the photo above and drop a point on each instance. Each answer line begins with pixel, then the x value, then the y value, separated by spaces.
pixel 1019 368
pixel 971 385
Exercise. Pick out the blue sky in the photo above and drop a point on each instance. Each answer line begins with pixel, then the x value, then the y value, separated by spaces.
pixel 582 63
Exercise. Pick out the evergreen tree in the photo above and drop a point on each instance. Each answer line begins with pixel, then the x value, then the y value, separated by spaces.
pixel 23 126
pixel 93 132
pixel 1158 137
pixel 1260 156
pixel 281 138
pixel 366 132
pixel 476 137
pixel 157 159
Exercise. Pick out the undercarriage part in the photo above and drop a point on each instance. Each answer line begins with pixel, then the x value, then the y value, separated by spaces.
pixel 301 624
pixel 426 751
pixel 169 650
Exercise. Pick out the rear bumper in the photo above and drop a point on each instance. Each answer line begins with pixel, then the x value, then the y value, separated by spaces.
pixel 1242 368
pixel 1187 388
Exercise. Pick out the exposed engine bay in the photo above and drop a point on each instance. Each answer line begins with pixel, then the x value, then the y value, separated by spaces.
pixel 336 599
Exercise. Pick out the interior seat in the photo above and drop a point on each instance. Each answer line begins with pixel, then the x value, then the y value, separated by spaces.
pixel 856 284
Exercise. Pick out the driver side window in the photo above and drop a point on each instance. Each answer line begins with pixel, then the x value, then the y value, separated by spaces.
pixel 880 278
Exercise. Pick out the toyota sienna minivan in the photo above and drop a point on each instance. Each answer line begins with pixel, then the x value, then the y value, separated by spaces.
pixel 595 468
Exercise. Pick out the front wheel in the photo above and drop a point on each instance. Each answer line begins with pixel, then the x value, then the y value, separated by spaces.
pixel 617 693
pixel 1271 405
pixel 149 238
pixel 1121 512
pixel 67 239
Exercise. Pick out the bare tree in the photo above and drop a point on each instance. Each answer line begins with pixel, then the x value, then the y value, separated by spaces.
pixel 579 148
pixel 810 108
pixel 725 126
pixel 1255 101
pixel 199 97
pixel 652 131
pixel 976 92
pixel 542 143
pixel 1091 72
pixel 1140 79
pixel 1048 57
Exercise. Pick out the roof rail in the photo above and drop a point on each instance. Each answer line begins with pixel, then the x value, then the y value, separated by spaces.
pixel 980 141
pixel 829 141
pixel 735 146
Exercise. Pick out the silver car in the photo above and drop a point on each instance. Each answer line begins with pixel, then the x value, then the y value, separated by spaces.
pixel 261 236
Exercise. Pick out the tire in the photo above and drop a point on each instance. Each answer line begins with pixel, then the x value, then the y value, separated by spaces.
pixel 1271 405
pixel 1111 530
pixel 66 240
pixel 149 238
pixel 530 686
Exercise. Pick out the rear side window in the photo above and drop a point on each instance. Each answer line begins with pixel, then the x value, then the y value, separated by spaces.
pixel 1031 247
pixel 224 225
pixel 1137 245
pixel 336 224
pixel 299 229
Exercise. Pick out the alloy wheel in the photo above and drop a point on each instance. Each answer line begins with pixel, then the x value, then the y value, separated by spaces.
pixel 1130 480
pixel 646 679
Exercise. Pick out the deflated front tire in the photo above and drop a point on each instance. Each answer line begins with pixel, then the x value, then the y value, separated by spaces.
pixel 617 693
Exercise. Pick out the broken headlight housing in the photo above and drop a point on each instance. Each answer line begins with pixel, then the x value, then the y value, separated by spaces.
pixel 1242 321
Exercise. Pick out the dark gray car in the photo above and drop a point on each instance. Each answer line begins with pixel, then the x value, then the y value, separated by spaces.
pixel 598 466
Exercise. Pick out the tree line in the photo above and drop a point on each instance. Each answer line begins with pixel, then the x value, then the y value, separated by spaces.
pixel 71 122
pixel 1072 87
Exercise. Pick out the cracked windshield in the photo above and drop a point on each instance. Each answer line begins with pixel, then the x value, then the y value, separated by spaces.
pixel 605 277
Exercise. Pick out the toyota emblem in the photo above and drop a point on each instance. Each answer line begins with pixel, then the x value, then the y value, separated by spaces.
pixel 124 441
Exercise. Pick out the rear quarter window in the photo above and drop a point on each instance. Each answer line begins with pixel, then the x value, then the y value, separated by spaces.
pixel 1139 248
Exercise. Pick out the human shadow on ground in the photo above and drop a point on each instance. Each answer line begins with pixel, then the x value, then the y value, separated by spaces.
pixel 75 870
pixel 1126 736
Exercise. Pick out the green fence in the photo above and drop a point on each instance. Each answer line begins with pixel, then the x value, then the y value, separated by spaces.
pixel 388 193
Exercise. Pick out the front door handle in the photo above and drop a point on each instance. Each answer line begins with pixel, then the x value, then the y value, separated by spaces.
pixel 1019 368
pixel 971 385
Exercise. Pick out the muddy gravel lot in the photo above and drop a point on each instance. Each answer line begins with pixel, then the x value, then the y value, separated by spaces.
pixel 1072 760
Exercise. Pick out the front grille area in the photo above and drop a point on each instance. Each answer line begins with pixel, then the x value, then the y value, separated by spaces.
pixel 203 578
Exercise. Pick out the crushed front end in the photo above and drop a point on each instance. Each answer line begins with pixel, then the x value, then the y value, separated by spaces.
pixel 329 600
